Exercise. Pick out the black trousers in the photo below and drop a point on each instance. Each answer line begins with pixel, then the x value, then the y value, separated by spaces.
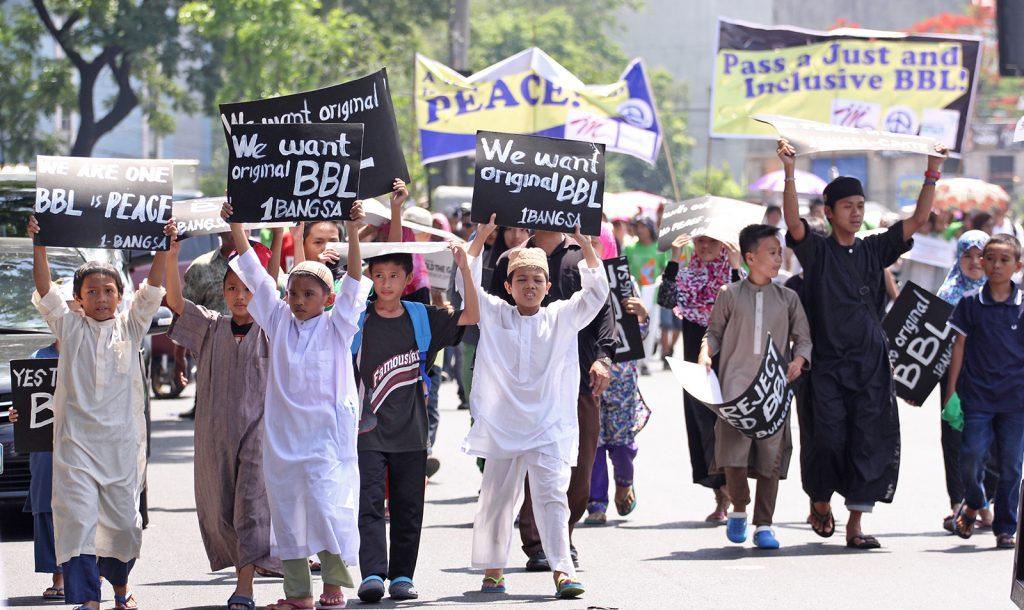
pixel 700 420
pixel 405 475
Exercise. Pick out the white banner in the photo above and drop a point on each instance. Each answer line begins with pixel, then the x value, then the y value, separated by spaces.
pixel 813 137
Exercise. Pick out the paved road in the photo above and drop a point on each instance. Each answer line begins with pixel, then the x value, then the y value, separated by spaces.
pixel 662 556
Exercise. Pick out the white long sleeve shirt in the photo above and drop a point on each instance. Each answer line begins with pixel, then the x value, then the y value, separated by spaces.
pixel 527 374
pixel 310 420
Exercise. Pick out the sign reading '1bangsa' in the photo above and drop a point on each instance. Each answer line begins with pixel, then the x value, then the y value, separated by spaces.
pixel 293 172
pixel 627 326
pixel 116 204
pixel 538 183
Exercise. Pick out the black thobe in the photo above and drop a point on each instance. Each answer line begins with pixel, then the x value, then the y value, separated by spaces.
pixel 854 426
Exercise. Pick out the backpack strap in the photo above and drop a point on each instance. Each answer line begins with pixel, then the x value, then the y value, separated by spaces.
pixel 421 328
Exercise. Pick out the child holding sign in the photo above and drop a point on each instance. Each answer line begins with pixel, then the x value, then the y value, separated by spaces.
pixel 310 416
pixel 985 371
pixel 524 406
pixel 231 499
pixel 744 315
pixel 99 429
pixel 398 343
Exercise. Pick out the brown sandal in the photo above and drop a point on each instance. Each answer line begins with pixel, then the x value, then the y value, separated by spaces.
pixel 823 524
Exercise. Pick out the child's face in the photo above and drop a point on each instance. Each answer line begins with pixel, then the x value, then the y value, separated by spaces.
pixel 236 295
pixel 320 234
pixel 99 297
pixel 970 264
pixel 389 281
pixel 644 234
pixel 307 297
pixel 528 287
pixel 766 257
pixel 847 214
pixel 707 248
pixel 1000 263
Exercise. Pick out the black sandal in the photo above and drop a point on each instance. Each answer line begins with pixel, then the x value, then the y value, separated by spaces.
pixel 963 525
pixel 823 524
pixel 241 600
pixel 865 542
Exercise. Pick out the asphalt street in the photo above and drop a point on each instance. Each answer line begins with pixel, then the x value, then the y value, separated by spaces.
pixel 661 556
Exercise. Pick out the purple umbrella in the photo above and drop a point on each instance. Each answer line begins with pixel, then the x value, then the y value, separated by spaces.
pixel 806 183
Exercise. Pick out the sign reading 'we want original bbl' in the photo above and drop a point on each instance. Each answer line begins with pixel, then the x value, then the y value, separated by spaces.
pixel 538 183
pixel 116 204
pixel 293 172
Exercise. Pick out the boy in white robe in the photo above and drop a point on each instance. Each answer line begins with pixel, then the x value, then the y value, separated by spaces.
pixel 524 407
pixel 311 417
pixel 99 428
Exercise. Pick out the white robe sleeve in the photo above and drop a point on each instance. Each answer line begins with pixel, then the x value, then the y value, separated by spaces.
pixel 53 308
pixel 488 304
pixel 583 305
pixel 349 305
pixel 265 305
pixel 144 306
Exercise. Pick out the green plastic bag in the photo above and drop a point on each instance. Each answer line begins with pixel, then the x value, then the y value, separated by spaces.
pixel 952 413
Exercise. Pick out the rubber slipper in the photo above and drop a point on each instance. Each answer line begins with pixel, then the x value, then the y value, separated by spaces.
pixel 865 543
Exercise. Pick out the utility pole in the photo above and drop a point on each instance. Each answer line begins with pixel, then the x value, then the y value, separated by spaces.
pixel 458 59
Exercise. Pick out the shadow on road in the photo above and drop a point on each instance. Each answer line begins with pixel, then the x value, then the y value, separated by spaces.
pixel 454 526
pixel 453 501
pixel 155 509
pixel 729 553
pixel 674 525
pixel 31 601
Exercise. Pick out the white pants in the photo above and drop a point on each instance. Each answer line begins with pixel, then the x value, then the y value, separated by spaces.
pixel 501 494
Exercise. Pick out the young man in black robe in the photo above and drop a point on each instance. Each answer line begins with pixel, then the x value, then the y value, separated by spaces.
pixel 854 429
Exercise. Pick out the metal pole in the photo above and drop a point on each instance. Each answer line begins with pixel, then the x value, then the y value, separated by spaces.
pixel 458 51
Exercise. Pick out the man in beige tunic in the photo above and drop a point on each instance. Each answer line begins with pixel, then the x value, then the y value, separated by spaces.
pixel 744 315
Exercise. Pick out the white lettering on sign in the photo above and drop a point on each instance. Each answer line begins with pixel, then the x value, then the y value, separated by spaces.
pixel 56 201
pixel 333 181
pixel 40 401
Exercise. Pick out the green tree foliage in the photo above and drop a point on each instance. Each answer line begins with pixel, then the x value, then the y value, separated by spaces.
pixel 31 85
pixel 712 181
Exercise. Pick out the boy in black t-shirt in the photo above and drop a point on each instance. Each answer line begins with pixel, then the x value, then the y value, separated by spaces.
pixel 399 341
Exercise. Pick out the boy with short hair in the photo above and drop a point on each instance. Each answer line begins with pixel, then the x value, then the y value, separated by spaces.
pixel 310 416
pixel 99 426
pixel 742 318
pixel 524 406
pixel 844 294
pixel 985 372
pixel 399 342
pixel 231 498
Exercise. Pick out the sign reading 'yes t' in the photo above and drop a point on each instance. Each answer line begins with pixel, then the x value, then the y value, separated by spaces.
pixel 293 172
pixel 33 383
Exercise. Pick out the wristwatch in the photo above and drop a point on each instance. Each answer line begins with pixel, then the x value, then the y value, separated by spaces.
pixel 605 360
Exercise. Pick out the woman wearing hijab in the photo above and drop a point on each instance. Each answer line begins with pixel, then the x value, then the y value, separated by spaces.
pixel 690 292
pixel 966 276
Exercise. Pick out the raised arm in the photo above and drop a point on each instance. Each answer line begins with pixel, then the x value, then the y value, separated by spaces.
pixel 927 196
pixel 158 270
pixel 276 245
pixel 790 205
pixel 399 193
pixel 299 247
pixel 175 298
pixel 355 260
pixel 470 306
pixel 40 264
pixel 593 261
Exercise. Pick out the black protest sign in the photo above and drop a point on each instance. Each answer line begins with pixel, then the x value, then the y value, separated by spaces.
pixel 627 326
pixel 115 204
pixel 538 183
pixel 366 100
pixel 761 410
pixel 920 342
pixel 33 383
pixel 293 172
pixel 718 217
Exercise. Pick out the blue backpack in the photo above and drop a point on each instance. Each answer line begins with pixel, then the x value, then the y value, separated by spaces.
pixel 421 328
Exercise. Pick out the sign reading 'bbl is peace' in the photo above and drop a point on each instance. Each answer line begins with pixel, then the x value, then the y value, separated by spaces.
pixel 293 172
pixel 538 183
pixel 103 203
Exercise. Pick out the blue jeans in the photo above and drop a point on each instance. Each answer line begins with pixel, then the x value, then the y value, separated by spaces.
pixel 1006 431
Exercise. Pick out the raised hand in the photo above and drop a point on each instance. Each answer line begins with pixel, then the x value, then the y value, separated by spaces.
pixel 356 213
pixel 226 210
pixel 33 226
pixel 786 153
pixel 678 244
pixel 399 193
